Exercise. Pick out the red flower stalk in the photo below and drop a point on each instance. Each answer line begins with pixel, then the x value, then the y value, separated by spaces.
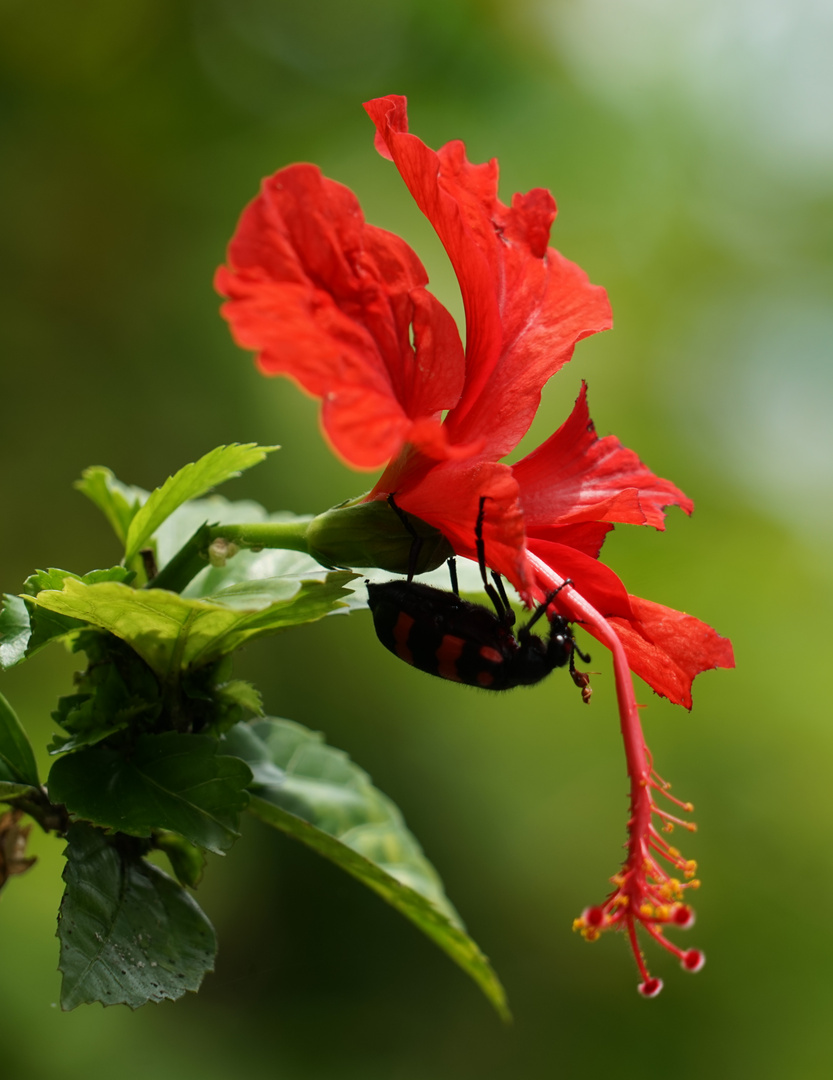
pixel 341 307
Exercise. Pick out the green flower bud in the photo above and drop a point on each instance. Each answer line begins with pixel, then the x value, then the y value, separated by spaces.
pixel 372 534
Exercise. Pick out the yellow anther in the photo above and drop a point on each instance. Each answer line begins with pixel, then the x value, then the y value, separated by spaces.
pixel 690 825
pixel 591 934
pixel 690 868
pixel 579 924
pixel 673 853
pixel 689 807
pixel 663 911
pixel 646 910
pixel 668 827
pixel 694 884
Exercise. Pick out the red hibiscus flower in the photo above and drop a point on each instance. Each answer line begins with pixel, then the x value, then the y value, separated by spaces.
pixel 341 307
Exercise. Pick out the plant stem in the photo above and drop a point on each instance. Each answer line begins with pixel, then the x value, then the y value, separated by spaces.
pixel 194 555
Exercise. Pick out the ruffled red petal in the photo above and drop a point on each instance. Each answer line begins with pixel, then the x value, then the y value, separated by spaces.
pixel 586 537
pixel 576 476
pixel 526 305
pixel 596 582
pixel 668 648
pixel 448 495
pixel 332 302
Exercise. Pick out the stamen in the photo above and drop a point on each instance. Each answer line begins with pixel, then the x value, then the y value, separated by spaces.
pixel 644 892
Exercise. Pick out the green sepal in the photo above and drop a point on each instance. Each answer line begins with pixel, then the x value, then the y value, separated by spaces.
pixel 314 793
pixel 174 782
pixel 17 759
pixel 190 482
pixel 373 534
pixel 129 934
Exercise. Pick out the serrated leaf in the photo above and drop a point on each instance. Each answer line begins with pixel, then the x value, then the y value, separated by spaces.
pixel 48 626
pixel 316 794
pixel 17 760
pixel 129 934
pixel 172 781
pixel 117 501
pixel 170 632
pixel 190 482
pixel 15 631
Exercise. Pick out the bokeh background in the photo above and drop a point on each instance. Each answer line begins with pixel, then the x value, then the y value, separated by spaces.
pixel 689 144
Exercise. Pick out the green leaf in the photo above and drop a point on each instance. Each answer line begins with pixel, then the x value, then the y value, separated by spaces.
pixel 172 781
pixel 170 632
pixel 17 761
pixel 316 794
pixel 190 482
pixel 47 626
pixel 14 631
pixel 128 933
pixel 11 791
pixel 117 501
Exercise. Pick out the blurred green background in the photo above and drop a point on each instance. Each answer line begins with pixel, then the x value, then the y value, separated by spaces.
pixel 690 147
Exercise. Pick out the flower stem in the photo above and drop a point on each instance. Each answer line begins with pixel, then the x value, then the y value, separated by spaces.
pixel 194 555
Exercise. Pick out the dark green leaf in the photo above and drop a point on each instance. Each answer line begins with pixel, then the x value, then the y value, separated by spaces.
pixel 316 794
pixel 14 631
pixel 190 482
pixel 17 761
pixel 117 501
pixel 171 633
pixel 129 934
pixel 171 781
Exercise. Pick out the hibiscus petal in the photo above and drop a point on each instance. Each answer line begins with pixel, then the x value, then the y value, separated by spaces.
pixel 448 495
pixel 587 537
pixel 576 476
pixel 526 305
pixel 332 302
pixel 669 648
pixel 596 582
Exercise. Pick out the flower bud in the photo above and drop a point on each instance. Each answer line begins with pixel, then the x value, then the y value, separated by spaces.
pixel 372 534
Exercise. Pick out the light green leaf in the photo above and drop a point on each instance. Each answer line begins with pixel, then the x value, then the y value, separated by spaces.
pixel 190 482
pixel 47 626
pixel 117 501
pixel 170 633
pixel 128 933
pixel 14 631
pixel 17 761
pixel 316 794
pixel 171 781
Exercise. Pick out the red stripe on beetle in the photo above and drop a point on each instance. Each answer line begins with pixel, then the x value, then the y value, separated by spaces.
pixel 490 655
pixel 449 652
pixel 485 678
pixel 401 633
